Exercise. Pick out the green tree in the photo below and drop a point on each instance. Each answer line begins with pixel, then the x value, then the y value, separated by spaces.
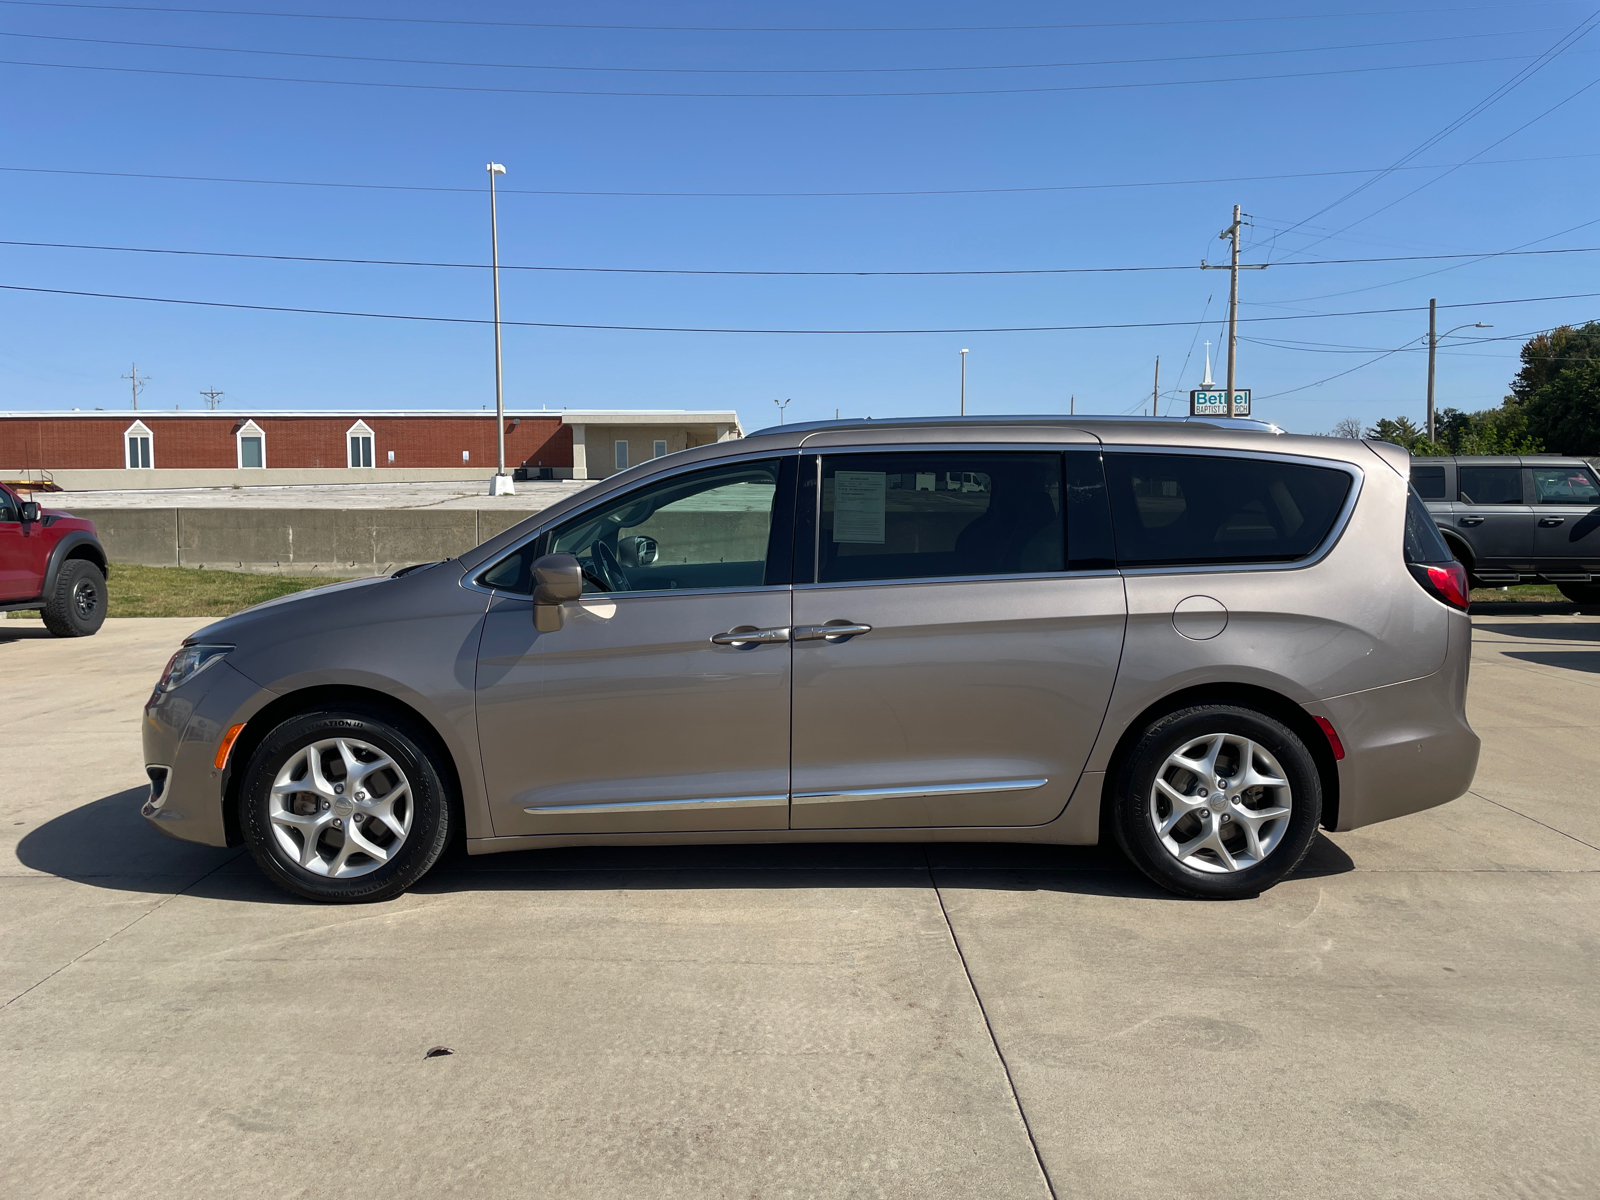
pixel 1546 355
pixel 1564 412
pixel 1502 430
pixel 1402 432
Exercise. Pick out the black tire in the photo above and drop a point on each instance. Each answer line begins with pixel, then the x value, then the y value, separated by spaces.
pixel 413 854
pixel 1135 830
pixel 1581 593
pixel 76 607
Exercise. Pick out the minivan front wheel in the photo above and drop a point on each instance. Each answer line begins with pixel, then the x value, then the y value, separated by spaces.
pixel 345 805
pixel 1217 802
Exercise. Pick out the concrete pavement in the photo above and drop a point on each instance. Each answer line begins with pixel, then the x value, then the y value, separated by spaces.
pixel 1413 1014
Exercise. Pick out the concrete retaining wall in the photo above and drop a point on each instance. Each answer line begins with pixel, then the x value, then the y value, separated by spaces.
pixel 292 541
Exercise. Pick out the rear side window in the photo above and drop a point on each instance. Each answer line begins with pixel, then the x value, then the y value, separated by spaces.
pixel 1489 485
pixel 1429 481
pixel 1191 509
pixel 933 514
pixel 1565 485
pixel 1424 542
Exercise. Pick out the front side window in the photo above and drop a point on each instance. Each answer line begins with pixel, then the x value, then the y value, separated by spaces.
pixel 1429 481
pixel 9 510
pixel 717 528
pixel 1192 509
pixel 937 514
pixel 1565 485
pixel 1489 485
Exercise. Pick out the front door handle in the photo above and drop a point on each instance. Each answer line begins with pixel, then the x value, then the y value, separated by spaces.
pixel 749 635
pixel 834 631
pixel 1472 520
pixel 1551 522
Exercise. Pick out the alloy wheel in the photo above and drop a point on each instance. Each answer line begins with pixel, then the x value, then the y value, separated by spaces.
pixel 340 808
pixel 1220 803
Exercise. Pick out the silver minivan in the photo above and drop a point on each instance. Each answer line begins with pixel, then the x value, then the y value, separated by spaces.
pixel 1203 639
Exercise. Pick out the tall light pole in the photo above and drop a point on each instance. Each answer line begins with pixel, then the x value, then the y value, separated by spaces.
pixel 963 383
pixel 500 485
pixel 1433 346
pixel 783 404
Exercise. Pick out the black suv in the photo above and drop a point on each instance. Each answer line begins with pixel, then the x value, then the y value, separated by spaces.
pixel 1510 520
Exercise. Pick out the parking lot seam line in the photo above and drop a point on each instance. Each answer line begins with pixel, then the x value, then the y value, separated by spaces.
pixel 1011 1084
pixel 1535 820
pixel 118 933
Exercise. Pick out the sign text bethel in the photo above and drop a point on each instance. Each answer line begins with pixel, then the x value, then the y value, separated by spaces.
pixel 1215 404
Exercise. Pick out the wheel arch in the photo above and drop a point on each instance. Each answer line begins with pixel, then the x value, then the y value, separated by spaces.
pixel 1245 695
pixel 291 704
pixel 79 544
pixel 1458 547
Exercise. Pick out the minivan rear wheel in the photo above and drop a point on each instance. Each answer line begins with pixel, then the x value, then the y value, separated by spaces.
pixel 345 805
pixel 1217 802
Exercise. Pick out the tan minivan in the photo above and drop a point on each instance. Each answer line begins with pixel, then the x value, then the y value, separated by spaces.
pixel 1205 639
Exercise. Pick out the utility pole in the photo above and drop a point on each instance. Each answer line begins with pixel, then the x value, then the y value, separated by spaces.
pixel 1231 235
pixel 963 383
pixel 1155 390
pixel 136 382
pixel 1434 338
pixel 501 484
pixel 212 397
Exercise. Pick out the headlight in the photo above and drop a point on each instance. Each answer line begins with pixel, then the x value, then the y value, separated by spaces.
pixel 187 663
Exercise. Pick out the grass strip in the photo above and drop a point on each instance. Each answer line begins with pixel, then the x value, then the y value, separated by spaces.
pixel 137 591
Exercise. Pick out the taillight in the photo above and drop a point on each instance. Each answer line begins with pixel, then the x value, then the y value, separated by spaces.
pixel 1446 582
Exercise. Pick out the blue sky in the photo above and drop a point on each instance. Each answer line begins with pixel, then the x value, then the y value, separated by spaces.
pixel 1323 87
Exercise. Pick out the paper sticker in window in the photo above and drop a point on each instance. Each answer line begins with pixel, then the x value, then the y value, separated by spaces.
pixel 858 506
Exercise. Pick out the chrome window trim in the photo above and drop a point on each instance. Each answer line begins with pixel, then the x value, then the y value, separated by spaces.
pixel 1030 577
pixel 1341 521
pixel 470 579
pixel 618 597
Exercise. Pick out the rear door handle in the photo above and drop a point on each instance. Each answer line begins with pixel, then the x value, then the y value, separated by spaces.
pixel 834 631
pixel 1472 520
pixel 1551 522
pixel 749 635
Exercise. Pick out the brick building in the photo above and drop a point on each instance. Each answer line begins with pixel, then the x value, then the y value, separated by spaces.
pixel 564 444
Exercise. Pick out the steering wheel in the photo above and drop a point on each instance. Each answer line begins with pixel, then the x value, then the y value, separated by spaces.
pixel 615 578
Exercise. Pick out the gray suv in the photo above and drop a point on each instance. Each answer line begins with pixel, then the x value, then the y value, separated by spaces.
pixel 1204 642
pixel 1510 520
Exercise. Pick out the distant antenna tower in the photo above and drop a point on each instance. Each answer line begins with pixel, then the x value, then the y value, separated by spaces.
pixel 212 397
pixel 137 383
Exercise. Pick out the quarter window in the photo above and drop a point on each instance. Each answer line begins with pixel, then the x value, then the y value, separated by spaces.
pixel 1490 485
pixel 719 528
pixel 1429 481
pixel 939 514
pixel 1183 509
pixel 1565 485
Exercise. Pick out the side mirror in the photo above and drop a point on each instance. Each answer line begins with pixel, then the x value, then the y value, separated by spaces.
pixel 637 551
pixel 557 579
pixel 30 511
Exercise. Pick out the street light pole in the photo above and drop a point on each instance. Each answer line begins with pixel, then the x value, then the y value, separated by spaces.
pixel 500 485
pixel 1433 347
pixel 963 383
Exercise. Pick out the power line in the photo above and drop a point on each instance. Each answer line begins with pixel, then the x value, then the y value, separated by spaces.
pixel 1561 46
pixel 515 66
pixel 226 12
pixel 1053 89
pixel 1065 187
pixel 328 312
pixel 855 274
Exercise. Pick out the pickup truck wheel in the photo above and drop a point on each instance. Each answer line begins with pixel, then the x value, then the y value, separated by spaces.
pixel 77 606
pixel 1581 593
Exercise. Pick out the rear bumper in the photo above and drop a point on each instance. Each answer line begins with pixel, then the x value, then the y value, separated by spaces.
pixel 1408 745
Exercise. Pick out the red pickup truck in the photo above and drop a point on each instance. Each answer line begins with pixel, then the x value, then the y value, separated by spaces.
pixel 51 561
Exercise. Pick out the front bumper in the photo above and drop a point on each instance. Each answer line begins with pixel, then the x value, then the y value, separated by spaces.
pixel 1408 745
pixel 182 730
